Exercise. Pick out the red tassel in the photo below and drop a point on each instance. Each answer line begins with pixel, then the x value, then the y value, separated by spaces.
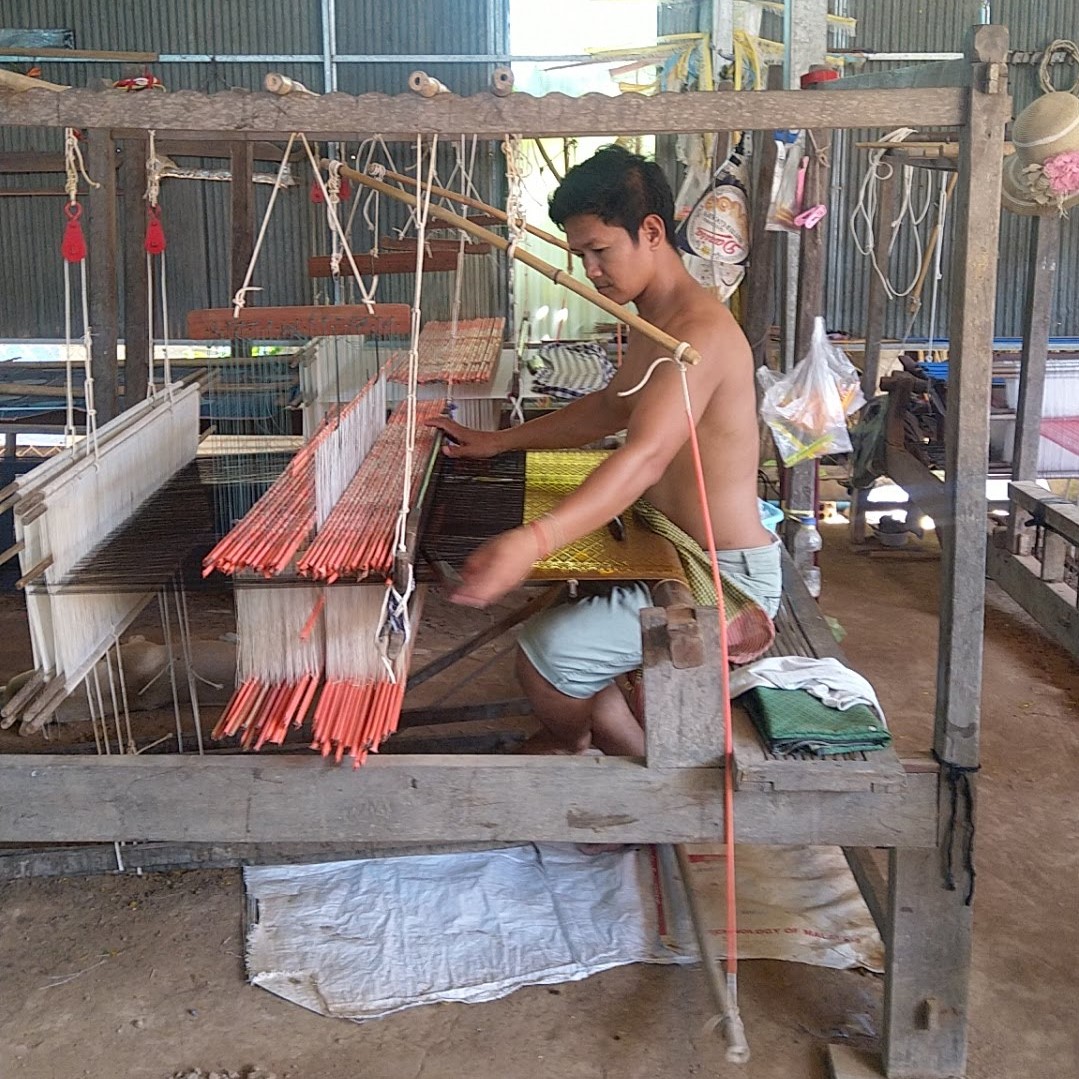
pixel 346 189
pixel 73 245
pixel 316 193
pixel 155 234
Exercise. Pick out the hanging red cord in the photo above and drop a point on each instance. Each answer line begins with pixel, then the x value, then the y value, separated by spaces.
pixel 155 234
pixel 73 245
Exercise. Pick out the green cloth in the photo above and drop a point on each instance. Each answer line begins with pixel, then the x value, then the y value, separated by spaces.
pixel 790 720
pixel 695 562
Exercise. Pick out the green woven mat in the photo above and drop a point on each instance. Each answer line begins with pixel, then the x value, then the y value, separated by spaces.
pixel 790 720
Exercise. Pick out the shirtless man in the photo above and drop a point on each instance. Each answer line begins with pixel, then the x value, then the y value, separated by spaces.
pixel 617 212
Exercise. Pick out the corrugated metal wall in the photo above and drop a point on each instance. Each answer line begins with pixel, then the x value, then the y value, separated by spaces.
pixel 196 213
pixel 941 26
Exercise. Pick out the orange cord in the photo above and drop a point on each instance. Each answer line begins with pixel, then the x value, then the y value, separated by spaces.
pixel 724 677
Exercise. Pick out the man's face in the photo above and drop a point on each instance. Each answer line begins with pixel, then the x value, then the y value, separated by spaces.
pixel 619 268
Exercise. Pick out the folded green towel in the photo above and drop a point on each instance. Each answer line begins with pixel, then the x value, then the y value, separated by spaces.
pixel 790 720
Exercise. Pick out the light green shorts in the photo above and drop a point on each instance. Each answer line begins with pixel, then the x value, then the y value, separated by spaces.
pixel 582 646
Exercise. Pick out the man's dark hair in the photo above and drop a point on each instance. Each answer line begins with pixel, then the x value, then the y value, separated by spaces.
pixel 619 187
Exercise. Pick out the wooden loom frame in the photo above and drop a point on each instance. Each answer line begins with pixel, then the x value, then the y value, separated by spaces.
pixel 675 795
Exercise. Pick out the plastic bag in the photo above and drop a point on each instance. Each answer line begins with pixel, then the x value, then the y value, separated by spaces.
pixel 807 408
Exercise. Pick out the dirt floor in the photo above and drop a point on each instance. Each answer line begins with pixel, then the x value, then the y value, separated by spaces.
pixel 128 977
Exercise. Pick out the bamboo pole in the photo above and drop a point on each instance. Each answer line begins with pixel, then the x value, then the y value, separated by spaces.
pixel 476 204
pixel 559 277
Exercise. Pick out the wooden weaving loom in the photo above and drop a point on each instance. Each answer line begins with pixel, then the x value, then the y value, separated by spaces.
pixel 674 795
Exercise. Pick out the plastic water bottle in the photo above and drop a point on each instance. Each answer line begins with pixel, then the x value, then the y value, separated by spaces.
pixel 807 542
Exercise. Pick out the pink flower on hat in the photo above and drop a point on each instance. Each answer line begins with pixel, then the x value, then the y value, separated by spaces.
pixel 1062 173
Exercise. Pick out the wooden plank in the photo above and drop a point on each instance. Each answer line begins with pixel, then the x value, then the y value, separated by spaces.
pixel 136 365
pixel 872 883
pixel 1051 605
pixel 253 798
pixel 101 246
pixel 1037 320
pixel 241 213
pixel 926 982
pixel 756 769
pixel 976 213
pixel 387 262
pixel 925 490
pixel 684 705
pixel 1054 555
pixel 1059 514
pixel 988 44
pixel 408 243
pixel 188 114
pixel 94 859
pixel 846 1062
pixel 281 323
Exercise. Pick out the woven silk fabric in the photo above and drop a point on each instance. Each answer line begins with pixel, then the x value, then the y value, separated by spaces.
pixel 550 475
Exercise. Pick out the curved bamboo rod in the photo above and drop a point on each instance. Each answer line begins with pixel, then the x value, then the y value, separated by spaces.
pixel 476 204
pixel 674 347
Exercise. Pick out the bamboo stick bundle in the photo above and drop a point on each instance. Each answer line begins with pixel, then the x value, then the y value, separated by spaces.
pixel 356 540
pixel 269 535
pixel 468 353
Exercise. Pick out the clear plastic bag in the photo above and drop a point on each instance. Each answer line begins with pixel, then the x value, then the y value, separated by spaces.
pixel 807 408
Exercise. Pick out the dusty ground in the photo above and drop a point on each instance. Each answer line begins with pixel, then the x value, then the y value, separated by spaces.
pixel 125 977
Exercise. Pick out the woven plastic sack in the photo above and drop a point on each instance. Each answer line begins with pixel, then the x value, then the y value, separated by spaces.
pixel 806 409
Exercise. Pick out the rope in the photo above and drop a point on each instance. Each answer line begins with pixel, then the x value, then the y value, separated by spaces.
pixel 863 217
pixel 331 201
pixel 957 776
pixel 732 1018
pixel 239 301
pixel 1071 50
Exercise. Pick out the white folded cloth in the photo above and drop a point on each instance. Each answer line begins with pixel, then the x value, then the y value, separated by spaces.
pixel 827 679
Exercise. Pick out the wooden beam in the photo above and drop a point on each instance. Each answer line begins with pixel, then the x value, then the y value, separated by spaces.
pixel 260 116
pixel 925 490
pixel 1051 605
pixel 1037 321
pixel 988 44
pixel 282 323
pixel 1059 514
pixel 970 325
pixel 253 798
pixel 387 262
pixel 926 983
pixel 136 283
pixel 101 243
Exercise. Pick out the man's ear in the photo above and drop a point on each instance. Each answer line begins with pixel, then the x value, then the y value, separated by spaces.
pixel 653 231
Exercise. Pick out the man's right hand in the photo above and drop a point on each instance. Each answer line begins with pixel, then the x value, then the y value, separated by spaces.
pixel 466 441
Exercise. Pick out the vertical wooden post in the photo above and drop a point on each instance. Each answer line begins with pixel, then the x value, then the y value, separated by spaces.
pixel 1044 254
pixel 876 307
pixel 802 479
pixel 101 253
pixel 242 204
pixel 977 217
pixel 759 293
pixel 136 315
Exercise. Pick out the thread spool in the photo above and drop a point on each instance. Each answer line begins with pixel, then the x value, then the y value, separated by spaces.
pixel 281 85
pixel 426 85
pixel 502 82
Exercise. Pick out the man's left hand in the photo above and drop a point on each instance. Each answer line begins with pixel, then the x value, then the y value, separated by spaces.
pixel 496 568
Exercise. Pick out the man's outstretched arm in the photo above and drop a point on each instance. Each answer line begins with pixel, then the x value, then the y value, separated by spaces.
pixel 578 423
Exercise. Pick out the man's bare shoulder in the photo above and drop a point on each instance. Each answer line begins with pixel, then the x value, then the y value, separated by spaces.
pixel 712 330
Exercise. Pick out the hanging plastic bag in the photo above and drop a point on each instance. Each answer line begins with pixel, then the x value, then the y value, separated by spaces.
pixel 785 203
pixel 805 409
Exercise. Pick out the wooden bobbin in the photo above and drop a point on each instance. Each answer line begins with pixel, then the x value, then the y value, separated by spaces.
pixel 279 84
pixel 426 85
pixel 502 82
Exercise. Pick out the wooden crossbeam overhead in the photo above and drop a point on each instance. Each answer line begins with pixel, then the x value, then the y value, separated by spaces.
pixel 386 262
pixel 241 114
pixel 277 323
